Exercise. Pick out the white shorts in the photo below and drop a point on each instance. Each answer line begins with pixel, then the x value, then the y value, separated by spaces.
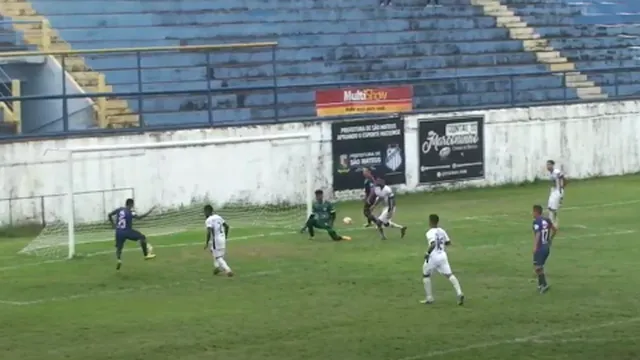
pixel 386 215
pixel 437 262
pixel 218 253
pixel 218 248
pixel 555 200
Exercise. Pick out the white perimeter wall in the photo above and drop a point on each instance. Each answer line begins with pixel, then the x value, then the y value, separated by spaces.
pixel 586 140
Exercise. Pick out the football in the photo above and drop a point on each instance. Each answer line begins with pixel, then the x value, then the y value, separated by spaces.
pixel 347 220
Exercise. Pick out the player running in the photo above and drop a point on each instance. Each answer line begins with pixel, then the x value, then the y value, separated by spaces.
pixel 557 191
pixel 543 233
pixel 124 231
pixel 436 259
pixel 322 217
pixel 369 196
pixel 384 194
pixel 217 233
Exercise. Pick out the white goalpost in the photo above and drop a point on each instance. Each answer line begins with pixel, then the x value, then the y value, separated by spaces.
pixel 256 183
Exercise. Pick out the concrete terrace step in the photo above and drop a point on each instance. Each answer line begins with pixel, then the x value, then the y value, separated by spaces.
pixel 159 18
pixel 581 84
pixel 195 6
pixel 592 92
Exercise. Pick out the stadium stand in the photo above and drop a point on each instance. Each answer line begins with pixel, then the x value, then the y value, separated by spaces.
pixel 508 46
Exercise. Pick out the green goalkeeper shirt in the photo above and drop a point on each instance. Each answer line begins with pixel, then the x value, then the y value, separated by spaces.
pixel 322 211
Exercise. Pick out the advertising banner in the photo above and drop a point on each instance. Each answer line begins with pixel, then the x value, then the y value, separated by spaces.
pixel 364 101
pixel 375 144
pixel 451 149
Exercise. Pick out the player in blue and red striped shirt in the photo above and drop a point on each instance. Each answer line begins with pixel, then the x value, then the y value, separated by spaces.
pixel 543 234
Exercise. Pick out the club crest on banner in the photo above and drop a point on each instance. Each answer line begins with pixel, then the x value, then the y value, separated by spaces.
pixel 393 159
pixel 344 164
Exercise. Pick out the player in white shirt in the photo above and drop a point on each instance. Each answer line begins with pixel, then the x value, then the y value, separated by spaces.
pixel 435 259
pixel 557 191
pixel 385 195
pixel 217 232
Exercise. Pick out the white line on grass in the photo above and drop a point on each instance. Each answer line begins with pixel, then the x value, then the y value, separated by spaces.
pixel 496 245
pixel 176 245
pixel 121 291
pixel 584 340
pixel 282 233
pixel 234 238
pixel 598 206
pixel 489 344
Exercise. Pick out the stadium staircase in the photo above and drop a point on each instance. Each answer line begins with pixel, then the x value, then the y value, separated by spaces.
pixel 10 111
pixel 509 46
pixel 112 113
pixel 545 53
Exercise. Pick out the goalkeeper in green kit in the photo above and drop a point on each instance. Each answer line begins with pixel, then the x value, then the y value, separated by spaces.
pixel 322 217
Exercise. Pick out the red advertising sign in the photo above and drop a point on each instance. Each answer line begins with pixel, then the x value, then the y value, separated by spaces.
pixel 364 100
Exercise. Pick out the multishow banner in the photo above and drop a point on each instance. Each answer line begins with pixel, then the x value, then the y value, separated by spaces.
pixel 376 144
pixel 451 149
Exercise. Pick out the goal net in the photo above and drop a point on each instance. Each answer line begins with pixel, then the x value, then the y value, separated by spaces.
pixel 259 185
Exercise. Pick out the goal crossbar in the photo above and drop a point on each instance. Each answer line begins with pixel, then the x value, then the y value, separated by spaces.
pixel 162 145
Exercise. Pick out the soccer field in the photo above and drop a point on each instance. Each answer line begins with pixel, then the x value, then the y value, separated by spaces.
pixel 297 299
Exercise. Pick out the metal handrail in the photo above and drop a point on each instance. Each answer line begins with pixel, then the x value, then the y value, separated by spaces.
pixel 186 48
pixel 339 85
pixel 274 87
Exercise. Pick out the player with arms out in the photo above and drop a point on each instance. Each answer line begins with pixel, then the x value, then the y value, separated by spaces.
pixel 543 233
pixel 323 215
pixel 557 191
pixel 435 259
pixel 125 231
pixel 217 233
pixel 369 196
pixel 385 194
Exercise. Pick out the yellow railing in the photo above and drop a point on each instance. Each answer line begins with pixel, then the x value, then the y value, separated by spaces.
pixel 13 114
pixel 16 105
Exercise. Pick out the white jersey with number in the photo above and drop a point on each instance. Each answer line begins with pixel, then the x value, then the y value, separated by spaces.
pixel 438 260
pixel 214 224
pixel 557 193
pixel 386 195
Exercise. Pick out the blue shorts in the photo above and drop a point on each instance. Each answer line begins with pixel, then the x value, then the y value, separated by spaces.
pixel 127 234
pixel 540 257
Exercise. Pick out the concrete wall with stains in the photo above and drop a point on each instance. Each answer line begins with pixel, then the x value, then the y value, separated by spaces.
pixel 586 140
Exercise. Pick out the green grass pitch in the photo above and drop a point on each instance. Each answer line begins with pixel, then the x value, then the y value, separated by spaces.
pixel 297 299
